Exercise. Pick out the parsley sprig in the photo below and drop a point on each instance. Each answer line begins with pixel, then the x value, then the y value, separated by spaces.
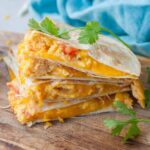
pixel 88 34
pixel 117 126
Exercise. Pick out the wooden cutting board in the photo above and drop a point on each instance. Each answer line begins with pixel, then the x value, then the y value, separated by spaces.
pixel 82 133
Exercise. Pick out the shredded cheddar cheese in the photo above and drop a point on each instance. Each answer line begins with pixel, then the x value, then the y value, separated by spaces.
pixel 41 46
pixel 25 114
pixel 34 99
pixel 66 91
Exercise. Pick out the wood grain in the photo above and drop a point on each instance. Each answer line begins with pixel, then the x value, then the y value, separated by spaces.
pixel 82 133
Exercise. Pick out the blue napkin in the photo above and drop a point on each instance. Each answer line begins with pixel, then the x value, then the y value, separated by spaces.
pixel 129 19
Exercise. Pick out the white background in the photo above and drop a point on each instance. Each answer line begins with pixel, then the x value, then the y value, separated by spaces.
pixel 14 23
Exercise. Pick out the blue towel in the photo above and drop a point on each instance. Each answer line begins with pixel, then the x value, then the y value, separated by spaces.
pixel 129 19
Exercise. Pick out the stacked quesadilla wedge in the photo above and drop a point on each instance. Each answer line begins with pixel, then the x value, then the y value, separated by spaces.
pixel 54 78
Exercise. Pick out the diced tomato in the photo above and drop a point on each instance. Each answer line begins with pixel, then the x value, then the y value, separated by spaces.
pixel 26 113
pixel 9 84
pixel 62 46
pixel 69 50
pixel 12 87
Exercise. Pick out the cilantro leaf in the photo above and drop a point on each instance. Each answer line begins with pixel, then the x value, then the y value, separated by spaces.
pixel 148 72
pixel 87 37
pixel 33 24
pixel 117 126
pixel 63 34
pixel 49 27
pixel 147 98
pixel 122 108
pixel 111 123
pixel 94 26
pixel 133 131
pixel 117 130
pixel 89 34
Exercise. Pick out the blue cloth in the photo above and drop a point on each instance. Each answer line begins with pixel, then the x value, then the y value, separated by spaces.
pixel 129 19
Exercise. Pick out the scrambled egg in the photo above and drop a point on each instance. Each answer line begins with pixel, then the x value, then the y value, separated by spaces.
pixel 29 107
pixel 29 111
pixel 60 91
pixel 41 46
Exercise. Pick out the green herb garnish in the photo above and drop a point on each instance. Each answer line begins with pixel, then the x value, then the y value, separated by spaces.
pixel 88 34
pixel 48 27
pixel 117 126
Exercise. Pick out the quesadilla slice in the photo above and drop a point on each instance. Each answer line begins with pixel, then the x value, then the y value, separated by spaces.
pixel 27 110
pixel 55 78
pixel 109 59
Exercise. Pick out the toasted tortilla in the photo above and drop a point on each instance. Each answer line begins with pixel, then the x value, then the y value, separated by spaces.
pixel 102 110
pixel 106 50
pixel 11 62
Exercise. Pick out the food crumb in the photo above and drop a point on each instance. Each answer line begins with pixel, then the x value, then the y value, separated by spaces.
pixel 47 125
pixel 29 124
pixel 7 17
pixel 61 119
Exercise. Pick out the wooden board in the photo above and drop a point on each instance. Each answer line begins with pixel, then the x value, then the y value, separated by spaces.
pixel 82 133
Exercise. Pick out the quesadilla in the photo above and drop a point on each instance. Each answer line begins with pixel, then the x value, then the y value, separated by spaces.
pixel 54 78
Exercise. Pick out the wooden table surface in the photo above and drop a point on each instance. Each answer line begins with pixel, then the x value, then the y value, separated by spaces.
pixel 82 133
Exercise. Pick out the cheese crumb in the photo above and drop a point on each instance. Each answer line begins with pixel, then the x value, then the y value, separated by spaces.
pixel 7 17
pixel 61 119
pixel 47 125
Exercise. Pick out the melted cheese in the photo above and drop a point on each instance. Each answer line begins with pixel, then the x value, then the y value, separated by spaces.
pixel 124 97
pixel 11 74
pixel 41 46
pixel 27 110
pixel 74 110
pixel 29 107
pixel 68 90
pixel 87 63
pixel 33 67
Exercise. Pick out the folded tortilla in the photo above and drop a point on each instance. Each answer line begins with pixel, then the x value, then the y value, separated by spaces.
pixel 28 110
pixel 53 78
pixel 107 58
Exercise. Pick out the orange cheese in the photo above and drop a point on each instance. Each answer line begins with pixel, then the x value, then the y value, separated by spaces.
pixel 39 45
pixel 27 110
pixel 11 74
pixel 68 90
